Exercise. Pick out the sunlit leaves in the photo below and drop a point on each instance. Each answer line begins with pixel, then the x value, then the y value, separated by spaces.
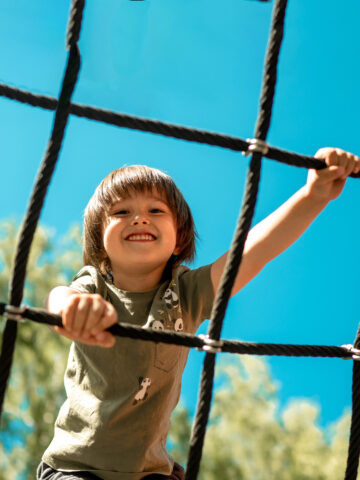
pixel 250 438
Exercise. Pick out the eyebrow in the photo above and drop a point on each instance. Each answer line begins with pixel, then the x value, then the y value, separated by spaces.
pixel 151 198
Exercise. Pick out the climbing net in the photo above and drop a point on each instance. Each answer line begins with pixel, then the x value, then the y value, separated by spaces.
pixel 212 342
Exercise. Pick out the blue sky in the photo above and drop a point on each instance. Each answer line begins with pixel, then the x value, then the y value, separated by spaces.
pixel 199 63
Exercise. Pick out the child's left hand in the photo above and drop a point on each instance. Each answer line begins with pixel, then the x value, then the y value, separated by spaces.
pixel 327 184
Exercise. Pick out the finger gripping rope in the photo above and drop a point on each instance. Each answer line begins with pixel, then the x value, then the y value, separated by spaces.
pixel 210 343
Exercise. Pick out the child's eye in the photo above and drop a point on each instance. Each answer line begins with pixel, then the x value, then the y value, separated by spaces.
pixel 156 210
pixel 121 212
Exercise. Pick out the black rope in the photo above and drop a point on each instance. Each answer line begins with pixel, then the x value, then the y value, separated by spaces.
pixel 354 443
pixel 74 23
pixel 237 247
pixel 161 128
pixel 200 342
pixel 38 195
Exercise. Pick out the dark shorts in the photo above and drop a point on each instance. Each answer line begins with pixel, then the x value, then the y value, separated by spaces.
pixel 44 472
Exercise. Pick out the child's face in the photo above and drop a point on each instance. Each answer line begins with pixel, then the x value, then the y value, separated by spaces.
pixel 140 233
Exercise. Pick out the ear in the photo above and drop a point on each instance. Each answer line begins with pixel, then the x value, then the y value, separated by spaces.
pixel 177 250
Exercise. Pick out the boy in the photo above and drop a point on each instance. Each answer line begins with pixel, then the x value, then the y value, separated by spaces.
pixel 137 230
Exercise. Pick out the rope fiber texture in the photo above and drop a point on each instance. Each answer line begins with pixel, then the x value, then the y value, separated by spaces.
pixel 161 128
pixel 211 343
pixel 44 317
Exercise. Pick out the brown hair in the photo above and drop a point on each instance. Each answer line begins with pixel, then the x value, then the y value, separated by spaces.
pixel 120 184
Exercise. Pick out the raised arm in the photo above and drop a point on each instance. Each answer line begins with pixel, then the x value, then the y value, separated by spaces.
pixel 85 316
pixel 283 227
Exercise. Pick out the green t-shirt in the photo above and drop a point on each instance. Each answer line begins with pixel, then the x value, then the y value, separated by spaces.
pixel 116 418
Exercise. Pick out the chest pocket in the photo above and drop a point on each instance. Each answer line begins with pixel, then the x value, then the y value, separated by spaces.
pixel 166 356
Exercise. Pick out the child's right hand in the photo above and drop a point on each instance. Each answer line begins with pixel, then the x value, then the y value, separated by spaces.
pixel 86 317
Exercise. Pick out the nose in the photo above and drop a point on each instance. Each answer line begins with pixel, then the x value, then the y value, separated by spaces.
pixel 140 220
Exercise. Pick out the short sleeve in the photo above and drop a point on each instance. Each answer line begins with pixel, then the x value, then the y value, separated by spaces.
pixel 196 294
pixel 89 280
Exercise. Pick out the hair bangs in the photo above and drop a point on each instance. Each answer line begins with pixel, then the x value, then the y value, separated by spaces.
pixel 127 181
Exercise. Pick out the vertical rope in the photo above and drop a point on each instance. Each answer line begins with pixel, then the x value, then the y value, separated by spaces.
pixel 354 444
pixel 74 23
pixel 237 247
pixel 39 191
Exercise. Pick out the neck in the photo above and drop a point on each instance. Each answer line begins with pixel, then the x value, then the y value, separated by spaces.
pixel 137 281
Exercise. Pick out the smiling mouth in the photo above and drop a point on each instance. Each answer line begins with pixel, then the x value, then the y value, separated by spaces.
pixel 141 237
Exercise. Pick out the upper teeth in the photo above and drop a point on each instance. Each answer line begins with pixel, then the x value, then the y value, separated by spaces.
pixel 141 237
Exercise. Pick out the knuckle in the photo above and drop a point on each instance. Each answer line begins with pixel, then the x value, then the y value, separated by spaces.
pixel 110 310
pixel 97 308
pixel 76 297
pixel 333 157
pixel 71 302
pixel 322 151
pixel 82 308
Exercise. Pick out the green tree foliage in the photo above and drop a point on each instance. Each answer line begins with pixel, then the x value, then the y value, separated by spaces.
pixel 248 438
pixel 35 390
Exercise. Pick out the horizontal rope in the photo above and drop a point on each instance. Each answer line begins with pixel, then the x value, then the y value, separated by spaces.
pixel 161 128
pixel 185 339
